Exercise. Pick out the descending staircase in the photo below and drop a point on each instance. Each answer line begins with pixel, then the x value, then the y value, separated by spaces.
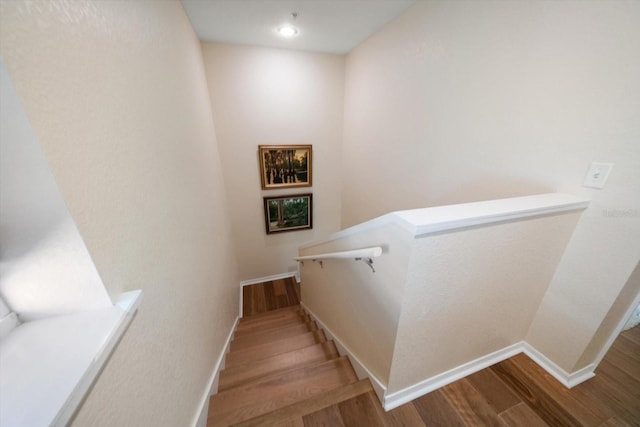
pixel 280 368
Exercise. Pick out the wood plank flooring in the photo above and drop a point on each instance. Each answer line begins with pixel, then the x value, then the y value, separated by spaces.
pixel 268 296
pixel 513 393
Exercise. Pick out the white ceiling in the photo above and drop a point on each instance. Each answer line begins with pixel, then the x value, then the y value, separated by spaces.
pixel 333 26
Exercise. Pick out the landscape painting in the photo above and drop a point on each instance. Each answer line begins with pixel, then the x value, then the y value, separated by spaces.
pixel 283 166
pixel 288 213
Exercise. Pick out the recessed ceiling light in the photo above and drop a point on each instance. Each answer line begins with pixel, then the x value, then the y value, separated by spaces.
pixel 287 31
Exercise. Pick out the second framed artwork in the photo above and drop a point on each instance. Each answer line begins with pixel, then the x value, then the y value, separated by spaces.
pixel 285 166
pixel 288 213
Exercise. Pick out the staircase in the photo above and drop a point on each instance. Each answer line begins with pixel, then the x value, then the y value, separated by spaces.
pixel 281 368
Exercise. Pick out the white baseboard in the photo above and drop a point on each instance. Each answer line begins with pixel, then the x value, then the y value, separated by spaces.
pixel 393 400
pixel 268 278
pixel 569 380
pixel 398 398
pixel 201 420
pixel 361 370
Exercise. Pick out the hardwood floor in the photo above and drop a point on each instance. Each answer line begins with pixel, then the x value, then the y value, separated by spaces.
pixel 516 392
pixel 268 296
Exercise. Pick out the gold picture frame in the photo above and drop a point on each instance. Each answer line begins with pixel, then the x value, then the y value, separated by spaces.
pixel 285 166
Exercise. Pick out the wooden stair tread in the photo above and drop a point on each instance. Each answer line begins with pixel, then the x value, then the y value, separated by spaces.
pixel 246 372
pixel 266 350
pixel 264 337
pixel 271 322
pixel 308 406
pixel 277 391
pixel 271 325
pixel 246 322
pixel 270 314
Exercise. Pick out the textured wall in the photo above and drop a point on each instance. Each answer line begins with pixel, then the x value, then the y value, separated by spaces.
pixel 360 308
pixel 472 100
pixel 472 292
pixel 45 269
pixel 624 302
pixel 266 96
pixel 117 95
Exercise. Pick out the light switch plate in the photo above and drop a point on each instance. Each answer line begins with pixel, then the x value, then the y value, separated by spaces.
pixel 597 175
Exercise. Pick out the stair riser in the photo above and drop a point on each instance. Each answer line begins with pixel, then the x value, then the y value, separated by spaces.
pixel 259 338
pixel 259 327
pixel 274 322
pixel 271 349
pixel 272 315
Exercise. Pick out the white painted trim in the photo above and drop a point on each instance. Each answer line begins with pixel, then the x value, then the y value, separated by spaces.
pixel 398 398
pixel 421 222
pixel 444 218
pixel 569 380
pixel 267 278
pixel 128 302
pixel 201 417
pixel 361 370
pixel 60 358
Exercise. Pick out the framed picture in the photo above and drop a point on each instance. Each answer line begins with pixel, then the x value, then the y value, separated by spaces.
pixel 288 213
pixel 284 166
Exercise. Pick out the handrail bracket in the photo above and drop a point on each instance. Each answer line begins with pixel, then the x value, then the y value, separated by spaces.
pixel 365 255
pixel 367 261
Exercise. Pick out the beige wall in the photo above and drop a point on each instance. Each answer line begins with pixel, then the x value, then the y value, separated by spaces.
pixel 117 96
pixel 360 308
pixel 461 101
pixel 45 268
pixel 618 311
pixel 270 96
pixel 473 292
pixel 439 301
